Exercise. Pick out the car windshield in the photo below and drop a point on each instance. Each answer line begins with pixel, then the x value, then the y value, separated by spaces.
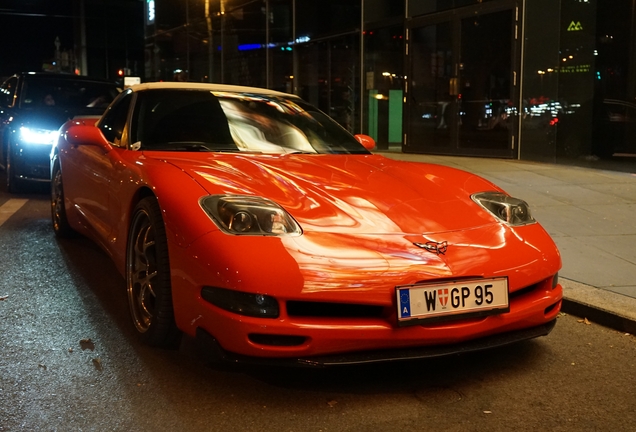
pixel 51 92
pixel 200 120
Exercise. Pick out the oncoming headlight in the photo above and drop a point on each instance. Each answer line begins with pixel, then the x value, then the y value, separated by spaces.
pixel 512 211
pixel 249 215
pixel 38 136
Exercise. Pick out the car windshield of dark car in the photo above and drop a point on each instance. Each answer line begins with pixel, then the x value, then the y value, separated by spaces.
pixel 200 120
pixel 62 93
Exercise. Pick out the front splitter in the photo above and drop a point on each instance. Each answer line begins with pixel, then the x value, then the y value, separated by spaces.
pixel 213 351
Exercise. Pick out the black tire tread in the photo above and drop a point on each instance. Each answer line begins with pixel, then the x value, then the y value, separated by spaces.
pixel 63 230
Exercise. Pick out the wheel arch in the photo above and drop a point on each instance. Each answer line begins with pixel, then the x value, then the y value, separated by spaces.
pixel 143 192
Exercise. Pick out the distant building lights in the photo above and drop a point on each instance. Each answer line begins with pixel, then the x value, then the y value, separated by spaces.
pixel 248 47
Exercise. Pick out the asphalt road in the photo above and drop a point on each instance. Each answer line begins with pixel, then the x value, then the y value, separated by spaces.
pixel 70 361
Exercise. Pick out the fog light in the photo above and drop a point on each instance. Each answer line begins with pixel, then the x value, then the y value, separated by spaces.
pixel 242 303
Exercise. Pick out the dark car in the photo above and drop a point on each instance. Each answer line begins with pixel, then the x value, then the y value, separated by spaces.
pixel 33 106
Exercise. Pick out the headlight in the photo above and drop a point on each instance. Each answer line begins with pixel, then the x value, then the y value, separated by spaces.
pixel 249 215
pixel 511 210
pixel 38 136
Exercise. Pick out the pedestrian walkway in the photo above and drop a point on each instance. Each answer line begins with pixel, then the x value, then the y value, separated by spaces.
pixel 590 214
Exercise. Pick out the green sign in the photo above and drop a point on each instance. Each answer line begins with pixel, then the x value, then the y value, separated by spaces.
pixel 575 26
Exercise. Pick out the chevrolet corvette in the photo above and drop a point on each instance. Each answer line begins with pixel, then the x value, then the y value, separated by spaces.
pixel 248 219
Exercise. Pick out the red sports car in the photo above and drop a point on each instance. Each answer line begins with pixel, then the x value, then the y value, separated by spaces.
pixel 252 221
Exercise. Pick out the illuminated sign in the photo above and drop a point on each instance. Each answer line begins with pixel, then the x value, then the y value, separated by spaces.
pixel 576 68
pixel 151 11
pixel 575 26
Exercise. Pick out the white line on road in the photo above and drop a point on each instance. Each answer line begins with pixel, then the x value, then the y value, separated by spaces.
pixel 9 208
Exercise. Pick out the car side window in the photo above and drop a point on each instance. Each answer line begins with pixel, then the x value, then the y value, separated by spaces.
pixel 8 91
pixel 114 121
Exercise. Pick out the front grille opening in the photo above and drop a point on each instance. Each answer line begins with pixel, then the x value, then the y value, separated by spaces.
pixel 332 310
pixel 276 340
pixel 523 291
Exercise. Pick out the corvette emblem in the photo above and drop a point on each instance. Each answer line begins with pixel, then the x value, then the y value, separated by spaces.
pixel 438 248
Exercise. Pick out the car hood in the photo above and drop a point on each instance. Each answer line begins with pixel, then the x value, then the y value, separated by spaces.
pixel 353 194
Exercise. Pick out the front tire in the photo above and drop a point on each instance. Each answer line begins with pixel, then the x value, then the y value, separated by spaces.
pixel 148 277
pixel 61 226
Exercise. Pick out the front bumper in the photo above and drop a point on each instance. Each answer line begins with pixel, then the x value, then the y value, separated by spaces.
pixel 361 279
pixel 215 353
pixel 340 340
pixel 31 162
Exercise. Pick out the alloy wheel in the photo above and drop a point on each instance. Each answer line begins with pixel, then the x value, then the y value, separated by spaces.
pixel 142 272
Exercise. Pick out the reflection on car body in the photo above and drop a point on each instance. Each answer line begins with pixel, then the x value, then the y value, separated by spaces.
pixel 252 221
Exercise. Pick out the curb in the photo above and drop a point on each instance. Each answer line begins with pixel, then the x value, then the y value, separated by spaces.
pixel 603 307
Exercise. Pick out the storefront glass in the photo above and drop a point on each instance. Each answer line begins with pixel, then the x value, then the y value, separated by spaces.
pixel 462 98
pixel 318 19
pixel 539 82
pixel 614 109
pixel 329 77
pixel 421 7
pixel 384 85
pixel 382 10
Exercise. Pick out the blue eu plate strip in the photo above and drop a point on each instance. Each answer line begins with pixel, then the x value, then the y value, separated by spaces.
pixel 405 303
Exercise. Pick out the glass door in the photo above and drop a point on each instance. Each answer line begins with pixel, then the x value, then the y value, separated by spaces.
pixel 432 106
pixel 462 91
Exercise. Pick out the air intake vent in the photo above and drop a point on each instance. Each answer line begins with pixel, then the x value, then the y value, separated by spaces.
pixel 333 310
pixel 276 340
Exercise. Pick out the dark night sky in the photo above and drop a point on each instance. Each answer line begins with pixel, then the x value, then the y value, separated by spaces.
pixel 28 29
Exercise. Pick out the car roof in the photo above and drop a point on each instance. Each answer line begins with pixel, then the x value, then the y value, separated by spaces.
pixel 209 87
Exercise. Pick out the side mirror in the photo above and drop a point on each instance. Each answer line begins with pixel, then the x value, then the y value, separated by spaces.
pixel 366 141
pixel 82 134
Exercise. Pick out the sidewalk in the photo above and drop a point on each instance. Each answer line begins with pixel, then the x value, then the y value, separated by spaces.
pixel 590 214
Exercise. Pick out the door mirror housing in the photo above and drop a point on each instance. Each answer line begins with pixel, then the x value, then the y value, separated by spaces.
pixel 366 141
pixel 82 134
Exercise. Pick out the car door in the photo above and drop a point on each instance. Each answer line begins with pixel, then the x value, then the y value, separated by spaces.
pixel 89 171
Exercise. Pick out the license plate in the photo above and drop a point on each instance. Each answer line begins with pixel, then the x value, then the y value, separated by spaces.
pixel 452 300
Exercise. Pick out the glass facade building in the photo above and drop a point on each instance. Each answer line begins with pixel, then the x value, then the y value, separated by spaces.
pixel 544 80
